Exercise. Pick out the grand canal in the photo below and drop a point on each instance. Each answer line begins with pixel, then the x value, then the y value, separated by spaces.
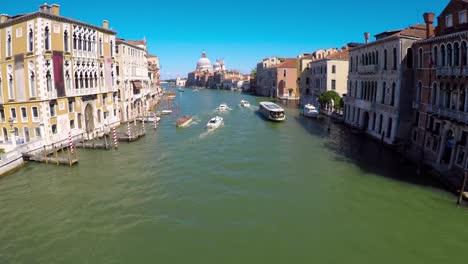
pixel 250 192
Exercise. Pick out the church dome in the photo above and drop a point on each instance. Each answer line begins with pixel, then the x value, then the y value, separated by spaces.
pixel 203 62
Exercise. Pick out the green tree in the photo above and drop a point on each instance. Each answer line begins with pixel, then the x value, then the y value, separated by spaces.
pixel 328 96
pixel 253 73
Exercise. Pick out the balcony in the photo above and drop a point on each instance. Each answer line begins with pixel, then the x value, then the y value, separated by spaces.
pixel 52 94
pixel 84 91
pixel 452 71
pixel 369 69
pixel 449 113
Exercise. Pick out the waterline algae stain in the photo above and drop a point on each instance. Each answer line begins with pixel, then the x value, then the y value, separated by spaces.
pixel 250 192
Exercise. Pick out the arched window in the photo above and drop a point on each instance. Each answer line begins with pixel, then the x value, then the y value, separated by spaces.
pixel 384 90
pixel 409 58
pixel 419 92
pixel 385 59
pixel 462 99
pixel 101 47
pixel 376 57
pixel 351 64
pixel 373 58
pixel 89 44
pixel 86 80
pixel 9 51
pixel 463 53
pixel 67 80
pixel 81 80
pixel 65 41
pixel 99 115
pixel 11 92
pixel 49 81
pixel 46 38
pixel 443 55
pixel 80 42
pixel 75 42
pixel 32 81
pixel 434 94
pixel 456 54
pixel 449 55
pixel 392 102
pixel 434 58
pixel 395 57
pixel 76 81
pixel 112 48
pixel 420 58
pixel 30 40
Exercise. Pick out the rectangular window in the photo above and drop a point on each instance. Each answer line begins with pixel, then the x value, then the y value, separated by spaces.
pixel 35 113
pixel 70 106
pixel 462 17
pixel 2 115
pixel 333 82
pixel 333 69
pixel 284 73
pixel 37 130
pixel 72 124
pixel 449 21
pixel 13 113
pixel 24 114
pixel 52 110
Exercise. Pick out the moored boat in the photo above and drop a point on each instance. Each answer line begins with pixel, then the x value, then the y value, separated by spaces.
pixel 272 111
pixel 166 112
pixel 214 122
pixel 310 111
pixel 244 103
pixel 183 121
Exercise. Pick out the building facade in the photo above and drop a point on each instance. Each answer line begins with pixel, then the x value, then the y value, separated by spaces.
pixel 440 88
pixel 378 100
pixel 327 72
pixel 57 75
pixel 134 82
pixel 277 78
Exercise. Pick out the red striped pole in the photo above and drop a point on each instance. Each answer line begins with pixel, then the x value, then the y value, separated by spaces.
pixel 129 132
pixel 70 142
pixel 116 143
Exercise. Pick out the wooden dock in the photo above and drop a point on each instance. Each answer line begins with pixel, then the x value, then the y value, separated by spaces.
pixel 50 160
pixel 132 137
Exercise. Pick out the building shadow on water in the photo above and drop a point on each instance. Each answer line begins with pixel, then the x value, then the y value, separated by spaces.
pixel 368 154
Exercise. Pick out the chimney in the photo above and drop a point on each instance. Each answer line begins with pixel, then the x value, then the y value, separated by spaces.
pixel 56 9
pixel 366 36
pixel 105 24
pixel 3 18
pixel 45 8
pixel 428 19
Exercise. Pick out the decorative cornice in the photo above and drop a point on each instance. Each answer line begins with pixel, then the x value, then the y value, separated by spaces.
pixel 34 15
pixel 444 37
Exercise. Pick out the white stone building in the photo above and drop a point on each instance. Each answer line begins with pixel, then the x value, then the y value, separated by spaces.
pixel 378 100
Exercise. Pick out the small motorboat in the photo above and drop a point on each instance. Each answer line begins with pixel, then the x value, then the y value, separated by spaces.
pixel 183 121
pixel 222 107
pixel 214 122
pixel 181 90
pixel 196 90
pixel 244 103
pixel 166 112
pixel 310 111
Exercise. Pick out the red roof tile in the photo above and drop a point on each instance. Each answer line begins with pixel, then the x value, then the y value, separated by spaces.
pixel 288 63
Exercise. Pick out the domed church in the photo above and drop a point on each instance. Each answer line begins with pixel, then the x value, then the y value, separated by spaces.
pixel 204 64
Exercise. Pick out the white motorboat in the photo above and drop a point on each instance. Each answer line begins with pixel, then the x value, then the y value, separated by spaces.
pixel 214 122
pixel 195 90
pixel 222 107
pixel 272 111
pixel 245 103
pixel 310 111
pixel 166 112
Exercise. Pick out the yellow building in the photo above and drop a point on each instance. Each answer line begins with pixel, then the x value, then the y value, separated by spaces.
pixel 57 75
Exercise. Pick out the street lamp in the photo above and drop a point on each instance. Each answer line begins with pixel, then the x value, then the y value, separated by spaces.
pixel 12 132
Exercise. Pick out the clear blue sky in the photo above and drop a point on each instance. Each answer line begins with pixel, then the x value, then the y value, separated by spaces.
pixel 243 31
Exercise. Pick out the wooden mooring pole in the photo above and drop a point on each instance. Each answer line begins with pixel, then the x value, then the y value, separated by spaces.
pixel 460 197
pixel 56 155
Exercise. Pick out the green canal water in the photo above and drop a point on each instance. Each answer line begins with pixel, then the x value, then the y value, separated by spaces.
pixel 250 192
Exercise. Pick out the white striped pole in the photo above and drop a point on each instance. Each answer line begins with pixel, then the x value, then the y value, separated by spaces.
pixel 70 142
pixel 129 132
pixel 134 122
pixel 143 124
pixel 116 143
pixel 155 122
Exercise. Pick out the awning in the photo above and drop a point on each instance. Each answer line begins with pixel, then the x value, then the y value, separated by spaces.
pixel 137 84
